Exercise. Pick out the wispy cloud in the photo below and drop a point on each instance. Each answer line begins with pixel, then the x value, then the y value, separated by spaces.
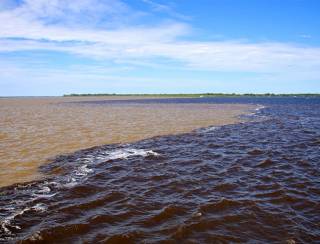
pixel 86 13
pixel 165 8
pixel 110 30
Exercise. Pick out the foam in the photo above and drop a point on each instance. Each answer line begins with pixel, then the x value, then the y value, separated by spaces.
pixel 49 188
pixel 43 195
pixel 209 129
pixel 83 170
pixel 40 207
pixel 260 107
pixel 126 153
pixel 6 223
pixel 122 153
pixel 71 182
pixel 45 189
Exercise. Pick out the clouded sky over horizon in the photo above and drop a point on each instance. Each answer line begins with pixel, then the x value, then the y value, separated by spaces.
pixel 153 46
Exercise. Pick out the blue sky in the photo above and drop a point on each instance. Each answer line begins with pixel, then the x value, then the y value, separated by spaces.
pixel 154 46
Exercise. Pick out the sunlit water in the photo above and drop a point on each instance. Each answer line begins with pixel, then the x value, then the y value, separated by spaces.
pixel 251 182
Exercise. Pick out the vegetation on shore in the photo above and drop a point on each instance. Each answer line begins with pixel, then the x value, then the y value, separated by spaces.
pixel 197 95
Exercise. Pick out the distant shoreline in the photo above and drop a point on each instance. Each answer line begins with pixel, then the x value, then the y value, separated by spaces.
pixel 195 95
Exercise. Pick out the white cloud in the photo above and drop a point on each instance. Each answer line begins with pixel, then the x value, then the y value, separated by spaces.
pixel 70 13
pixel 84 29
pixel 165 9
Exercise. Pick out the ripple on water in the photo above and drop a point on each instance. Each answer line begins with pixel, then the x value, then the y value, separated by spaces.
pixel 252 182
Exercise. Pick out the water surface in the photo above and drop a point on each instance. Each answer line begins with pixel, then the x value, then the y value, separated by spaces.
pixel 251 182
pixel 33 130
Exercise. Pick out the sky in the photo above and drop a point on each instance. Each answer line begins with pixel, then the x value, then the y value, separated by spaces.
pixel 56 47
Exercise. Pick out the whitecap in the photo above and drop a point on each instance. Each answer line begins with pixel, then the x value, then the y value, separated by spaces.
pixel 44 189
pixel 83 170
pixel 259 107
pixel 71 183
pixel 43 195
pixel 209 129
pixel 6 223
pixel 39 207
pixel 129 152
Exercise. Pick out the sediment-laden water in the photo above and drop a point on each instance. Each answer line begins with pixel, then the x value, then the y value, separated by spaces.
pixel 35 129
pixel 252 182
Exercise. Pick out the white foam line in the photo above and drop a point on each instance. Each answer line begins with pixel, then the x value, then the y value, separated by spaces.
pixel 123 153
pixel 43 195
pixel 126 153
pixel 259 107
pixel 7 222
pixel 39 207
pixel 209 129
pixel 72 180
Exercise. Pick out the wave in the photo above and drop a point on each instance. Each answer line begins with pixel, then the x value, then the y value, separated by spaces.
pixel 255 181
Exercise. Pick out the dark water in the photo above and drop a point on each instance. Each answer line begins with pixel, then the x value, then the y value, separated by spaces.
pixel 254 182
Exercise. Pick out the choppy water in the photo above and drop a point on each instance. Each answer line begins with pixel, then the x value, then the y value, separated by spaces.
pixel 253 182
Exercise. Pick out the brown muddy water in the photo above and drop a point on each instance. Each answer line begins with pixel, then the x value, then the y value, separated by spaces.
pixel 33 130
pixel 257 181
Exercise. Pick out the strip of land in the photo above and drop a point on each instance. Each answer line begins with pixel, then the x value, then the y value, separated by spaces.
pixel 195 95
